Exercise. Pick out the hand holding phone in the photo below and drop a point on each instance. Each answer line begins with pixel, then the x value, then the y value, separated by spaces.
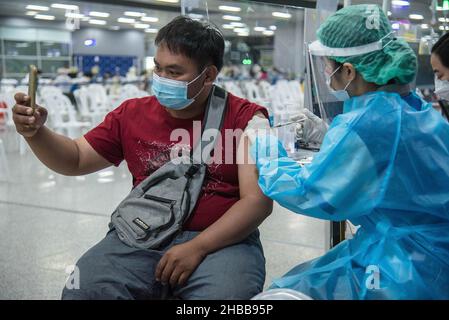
pixel 28 117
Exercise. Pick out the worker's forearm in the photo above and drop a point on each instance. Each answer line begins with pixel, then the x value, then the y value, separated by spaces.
pixel 235 225
pixel 57 152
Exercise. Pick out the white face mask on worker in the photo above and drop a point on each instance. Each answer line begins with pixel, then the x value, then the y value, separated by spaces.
pixel 340 95
pixel 442 88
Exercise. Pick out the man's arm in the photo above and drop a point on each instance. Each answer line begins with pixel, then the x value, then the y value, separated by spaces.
pixel 242 218
pixel 235 225
pixel 64 155
pixel 59 153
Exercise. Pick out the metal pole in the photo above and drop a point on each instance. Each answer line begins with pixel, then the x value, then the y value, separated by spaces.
pixel 386 6
pixel 347 3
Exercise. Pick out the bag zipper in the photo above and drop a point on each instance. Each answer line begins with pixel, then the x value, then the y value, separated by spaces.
pixel 156 198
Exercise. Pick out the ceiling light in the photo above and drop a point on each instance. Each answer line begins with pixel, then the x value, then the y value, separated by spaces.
pixel 238 24
pixel 389 13
pixel 424 26
pixel 268 32
pixel 241 30
pixel 395 26
pixel 64 6
pixel 243 34
pixel 228 26
pixel 274 28
pixel 400 3
pixel 37 8
pixel 99 22
pixel 283 15
pixel 232 18
pixel 196 16
pixel 99 14
pixel 230 8
pixel 74 15
pixel 260 29
pixel 169 1
pixel 134 14
pixel 416 17
pixel 444 28
pixel 115 28
pixel 90 42
pixel 126 20
pixel 44 17
pixel 149 19
pixel 141 26
pixel 151 30
pixel 443 19
pixel 31 13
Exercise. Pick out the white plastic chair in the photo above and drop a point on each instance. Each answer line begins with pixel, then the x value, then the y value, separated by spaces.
pixel 99 100
pixel 48 90
pixel 83 103
pixel 253 93
pixel 9 82
pixel 57 105
pixel 130 90
pixel 233 88
pixel 4 169
pixel 8 98
pixel 265 87
pixel 296 93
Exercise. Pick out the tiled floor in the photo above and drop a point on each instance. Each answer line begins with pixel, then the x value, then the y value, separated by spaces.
pixel 47 221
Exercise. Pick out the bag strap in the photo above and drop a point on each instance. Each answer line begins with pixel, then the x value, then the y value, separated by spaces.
pixel 213 119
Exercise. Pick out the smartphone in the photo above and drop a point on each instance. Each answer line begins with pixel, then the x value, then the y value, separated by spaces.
pixel 32 86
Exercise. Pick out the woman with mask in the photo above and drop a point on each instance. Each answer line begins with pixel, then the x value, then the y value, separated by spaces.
pixel 383 165
pixel 440 64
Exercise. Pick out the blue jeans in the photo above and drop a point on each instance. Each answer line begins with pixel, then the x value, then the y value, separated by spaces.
pixel 113 270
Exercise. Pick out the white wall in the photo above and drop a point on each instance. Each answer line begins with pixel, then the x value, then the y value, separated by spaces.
pixel 114 43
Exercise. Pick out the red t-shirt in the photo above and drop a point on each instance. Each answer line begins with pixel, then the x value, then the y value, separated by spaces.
pixel 138 131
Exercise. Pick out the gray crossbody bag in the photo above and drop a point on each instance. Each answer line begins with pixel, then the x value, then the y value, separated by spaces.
pixel 155 210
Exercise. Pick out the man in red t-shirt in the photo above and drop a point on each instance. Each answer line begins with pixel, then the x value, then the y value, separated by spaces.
pixel 218 254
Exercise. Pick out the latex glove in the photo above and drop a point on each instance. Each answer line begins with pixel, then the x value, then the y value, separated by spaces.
pixel 257 126
pixel 310 128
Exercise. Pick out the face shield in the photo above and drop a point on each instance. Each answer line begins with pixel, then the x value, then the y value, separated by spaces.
pixel 322 68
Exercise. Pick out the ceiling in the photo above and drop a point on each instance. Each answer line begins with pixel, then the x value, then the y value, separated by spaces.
pixel 252 14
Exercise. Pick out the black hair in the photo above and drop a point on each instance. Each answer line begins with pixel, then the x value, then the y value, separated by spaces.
pixel 441 48
pixel 201 42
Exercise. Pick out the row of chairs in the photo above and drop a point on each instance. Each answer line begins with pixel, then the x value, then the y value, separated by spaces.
pixel 283 99
pixel 94 101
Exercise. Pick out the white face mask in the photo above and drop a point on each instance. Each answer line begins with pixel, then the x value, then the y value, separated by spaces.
pixel 442 88
pixel 340 95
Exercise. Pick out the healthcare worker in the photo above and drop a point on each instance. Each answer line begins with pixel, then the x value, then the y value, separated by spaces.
pixel 440 65
pixel 383 165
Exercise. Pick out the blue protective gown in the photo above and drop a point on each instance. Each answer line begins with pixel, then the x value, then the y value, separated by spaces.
pixel 383 165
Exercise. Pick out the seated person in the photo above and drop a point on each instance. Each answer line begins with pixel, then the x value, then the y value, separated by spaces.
pixel 218 254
